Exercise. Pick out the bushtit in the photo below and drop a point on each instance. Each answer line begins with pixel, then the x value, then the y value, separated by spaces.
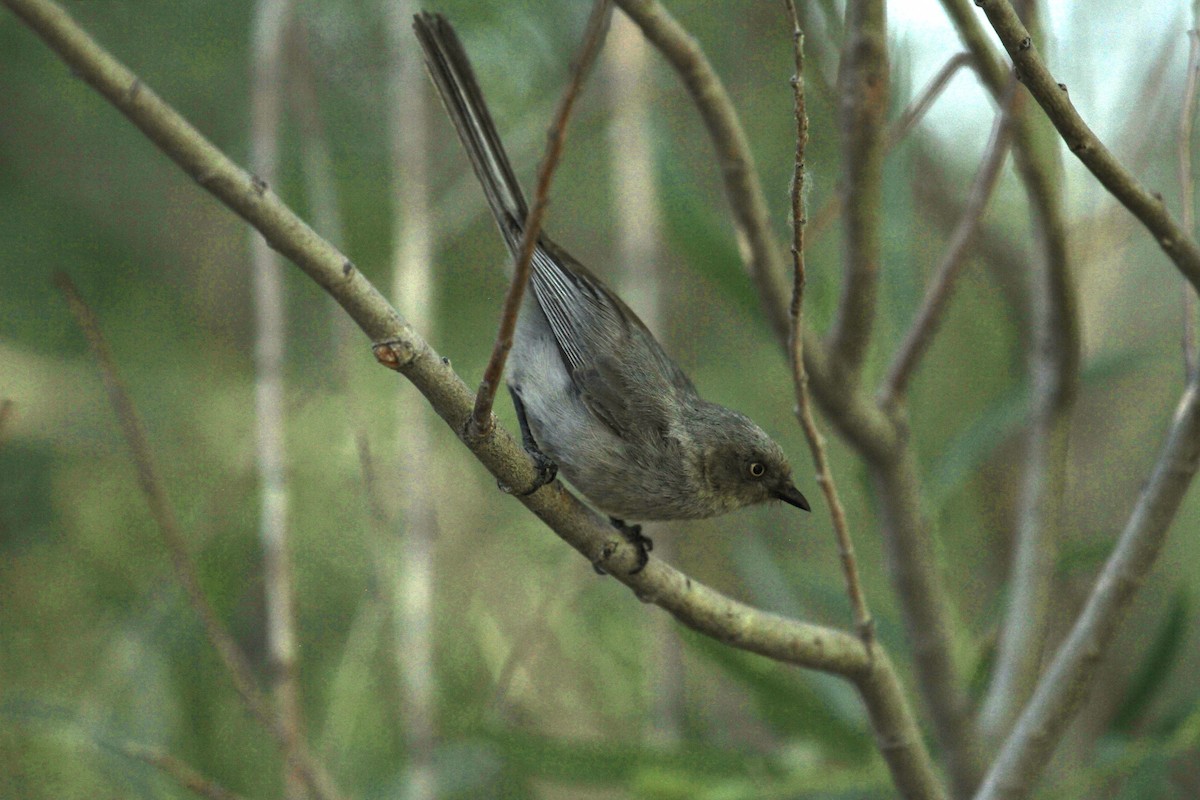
pixel 595 393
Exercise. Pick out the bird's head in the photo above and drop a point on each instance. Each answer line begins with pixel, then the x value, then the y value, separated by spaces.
pixel 741 464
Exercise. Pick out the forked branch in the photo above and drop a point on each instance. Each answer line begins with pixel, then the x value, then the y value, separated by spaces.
pixel 1052 96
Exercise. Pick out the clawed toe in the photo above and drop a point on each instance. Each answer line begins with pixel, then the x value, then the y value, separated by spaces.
pixel 633 534
pixel 546 472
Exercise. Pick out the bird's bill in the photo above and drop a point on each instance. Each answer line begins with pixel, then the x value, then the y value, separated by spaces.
pixel 791 495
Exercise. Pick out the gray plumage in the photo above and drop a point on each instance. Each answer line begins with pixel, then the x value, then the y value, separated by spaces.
pixel 600 397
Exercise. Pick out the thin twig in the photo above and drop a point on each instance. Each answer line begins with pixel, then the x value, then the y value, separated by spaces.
pixel 1053 363
pixel 409 549
pixel 862 110
pixel 183 774
pixel 185 569
pixel 929 317
pixel 816 441
pixel 897 130
pixel 482 421
pixel 1054 358
pixel 1187 197
pixel 1064 687
pixel 920 105
pixel 1147 206
pixel 987 62
pixel 271 20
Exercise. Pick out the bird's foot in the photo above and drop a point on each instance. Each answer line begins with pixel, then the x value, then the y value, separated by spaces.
pixel 546 471
pixel 633 534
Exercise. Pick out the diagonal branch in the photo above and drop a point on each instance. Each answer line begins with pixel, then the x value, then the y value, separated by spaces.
pixel 897 130
pixel 929 316
pixel 1148 207
pixel 482 420
pixel 186 572
pixel 1053 361
pixel 929 620
pixel 1064 687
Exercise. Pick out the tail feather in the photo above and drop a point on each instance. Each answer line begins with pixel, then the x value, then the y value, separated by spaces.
pixel 455 80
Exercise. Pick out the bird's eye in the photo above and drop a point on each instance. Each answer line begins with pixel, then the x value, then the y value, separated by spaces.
pixel 757 469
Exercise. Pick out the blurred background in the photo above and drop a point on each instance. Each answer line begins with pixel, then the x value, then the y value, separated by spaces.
pixel 444 636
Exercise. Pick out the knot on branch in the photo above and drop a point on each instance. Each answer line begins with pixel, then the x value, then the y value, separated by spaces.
pixel 394 353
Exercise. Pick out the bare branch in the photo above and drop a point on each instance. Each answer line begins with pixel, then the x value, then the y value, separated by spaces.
pixel 816 441
pixel 928 620
pixel 1053 360
pixel 1148 207
pixel 233 659
pixel 1064 687
pixel 929 317
pixel 1187 197
pixel 482 420
pixel 897 130
pixel 271 20
pixel 896 733
pixel 863 85
pixel 917 109
pixel 987 63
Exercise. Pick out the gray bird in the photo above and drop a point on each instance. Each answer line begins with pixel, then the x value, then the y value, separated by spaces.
pixel 595 394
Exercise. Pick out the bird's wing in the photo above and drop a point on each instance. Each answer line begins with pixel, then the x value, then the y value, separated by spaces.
pixel 622 373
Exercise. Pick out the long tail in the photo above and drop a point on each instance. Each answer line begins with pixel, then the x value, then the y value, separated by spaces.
pixel 452 74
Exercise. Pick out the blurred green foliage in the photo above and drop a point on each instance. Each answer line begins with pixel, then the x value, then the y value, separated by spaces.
pixel 98 647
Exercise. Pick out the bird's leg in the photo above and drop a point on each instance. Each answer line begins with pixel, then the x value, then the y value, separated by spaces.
pixel 546 469
pixel 633 534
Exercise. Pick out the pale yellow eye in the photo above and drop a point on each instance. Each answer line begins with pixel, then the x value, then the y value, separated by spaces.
pixel 757 469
